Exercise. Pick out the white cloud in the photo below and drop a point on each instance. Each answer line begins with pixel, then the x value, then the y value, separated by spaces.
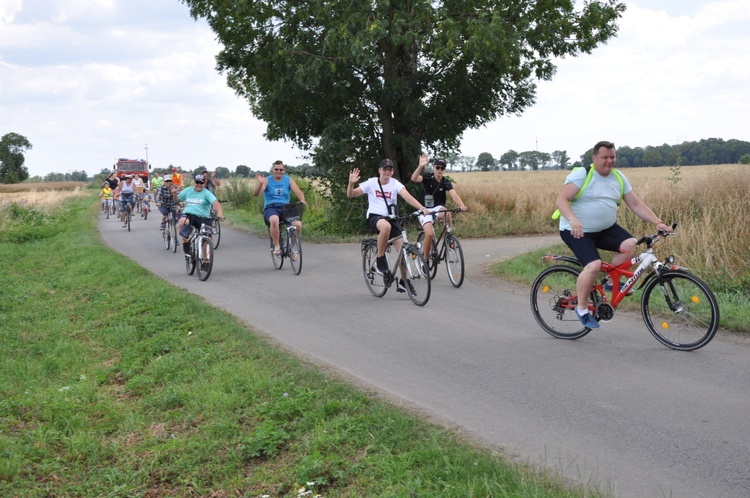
pixel 87 81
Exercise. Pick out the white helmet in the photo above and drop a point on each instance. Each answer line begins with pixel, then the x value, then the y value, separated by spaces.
pixel 167 178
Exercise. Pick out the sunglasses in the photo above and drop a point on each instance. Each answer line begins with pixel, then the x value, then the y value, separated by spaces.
pixel 280 170
pixel 440 167
pixel 200 183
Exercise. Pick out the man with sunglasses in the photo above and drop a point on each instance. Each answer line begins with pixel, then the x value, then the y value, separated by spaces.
pixel 277 191
pixel 432 196
pixel 198 203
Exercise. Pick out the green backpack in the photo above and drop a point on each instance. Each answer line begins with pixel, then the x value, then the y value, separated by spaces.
pixel 589 176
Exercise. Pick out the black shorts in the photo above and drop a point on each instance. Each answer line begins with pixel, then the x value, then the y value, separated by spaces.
pixel 196 221
pixel 585 248
pixel 372 222
pixel 273 209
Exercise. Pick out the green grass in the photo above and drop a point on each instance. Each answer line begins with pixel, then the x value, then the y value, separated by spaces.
pixel 115 383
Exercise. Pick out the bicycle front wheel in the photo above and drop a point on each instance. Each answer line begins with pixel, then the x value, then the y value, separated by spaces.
pixel 554 302
pixel 190 260
pixel 127 217
pixel 680 310
pixel 172 227
pixel 166 234
pixel 294 250
pixel 374 280
pixel 205 261
pixel 454 260
pixel 217 233
pixel 278 259
pixel 418 283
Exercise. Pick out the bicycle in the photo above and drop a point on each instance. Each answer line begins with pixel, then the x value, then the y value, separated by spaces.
pixel 678 308
pixel 289 240
pixel 169 232
pixel 128 209
pixel 449 251
pixel 201 253
pixel 107 207
pixel 409 262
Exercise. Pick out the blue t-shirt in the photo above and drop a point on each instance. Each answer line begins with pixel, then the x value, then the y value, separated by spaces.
pixel 197 203
pixel 277 192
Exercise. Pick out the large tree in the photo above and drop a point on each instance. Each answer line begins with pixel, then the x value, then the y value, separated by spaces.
pixel 362 80
pixel 12 148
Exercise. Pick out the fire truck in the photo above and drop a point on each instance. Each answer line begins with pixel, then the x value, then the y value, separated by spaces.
pixel 132 167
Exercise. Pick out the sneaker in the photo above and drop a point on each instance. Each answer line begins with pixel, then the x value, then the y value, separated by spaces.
pixel 162 226
pixel 381 265
pixel 186 247
pixel 588 321
pixel 402 286
pixel 608 287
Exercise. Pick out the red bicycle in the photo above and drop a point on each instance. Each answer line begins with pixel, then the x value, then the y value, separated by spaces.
pixel 678 308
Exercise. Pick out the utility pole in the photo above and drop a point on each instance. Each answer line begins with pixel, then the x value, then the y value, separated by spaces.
pixel 146 154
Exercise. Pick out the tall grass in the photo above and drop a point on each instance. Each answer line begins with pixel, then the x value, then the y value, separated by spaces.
pixel 710 204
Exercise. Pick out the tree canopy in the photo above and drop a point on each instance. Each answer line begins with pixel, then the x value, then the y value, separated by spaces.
pixel 358 81
pixel 12 148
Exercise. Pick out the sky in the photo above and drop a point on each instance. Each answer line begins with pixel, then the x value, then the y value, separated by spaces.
pixel 89 81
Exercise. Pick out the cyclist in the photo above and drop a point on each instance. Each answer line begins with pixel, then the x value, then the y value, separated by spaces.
pixel 166 200
pixel 176 177
pixel 589 222
pixel 432 196
pixel 113 181
pixel 106 195
pixel 126 195
pixel 138 182
pixel 198 203
pixel 156 182
pixel 382 192
pixel 211 181
pixel 146 199
pixel 277 191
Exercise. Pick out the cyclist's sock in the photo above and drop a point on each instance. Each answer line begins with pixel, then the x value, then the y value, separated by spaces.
pixel 582 312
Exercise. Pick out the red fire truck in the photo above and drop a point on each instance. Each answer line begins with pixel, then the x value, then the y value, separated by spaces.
pixel 132 167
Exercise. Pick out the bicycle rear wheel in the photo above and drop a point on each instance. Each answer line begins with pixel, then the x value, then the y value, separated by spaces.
pixel 217 233
pixel 205 261
pixel 294 251
pixel 375 281
pixel 418 284
pixel 554 301
pixel 680 310
pixel 454 260
pixel 278 259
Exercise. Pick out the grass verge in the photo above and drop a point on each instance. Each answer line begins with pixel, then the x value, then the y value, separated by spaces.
pixel 115 383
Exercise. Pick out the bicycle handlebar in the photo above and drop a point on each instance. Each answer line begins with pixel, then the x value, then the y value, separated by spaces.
pixel 650 239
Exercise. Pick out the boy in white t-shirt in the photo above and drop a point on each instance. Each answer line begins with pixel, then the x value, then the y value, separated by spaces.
pixel 382 192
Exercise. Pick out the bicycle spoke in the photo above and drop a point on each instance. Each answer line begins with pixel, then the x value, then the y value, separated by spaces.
pixel 375 282
pixel 418 283
pixel 454 260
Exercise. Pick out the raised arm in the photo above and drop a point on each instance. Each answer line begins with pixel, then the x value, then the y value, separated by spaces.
pixel 416 177
pixel 351 191
pixel 261 186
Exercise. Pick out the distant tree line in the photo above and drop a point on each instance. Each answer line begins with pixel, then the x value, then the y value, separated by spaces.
pixel 706 151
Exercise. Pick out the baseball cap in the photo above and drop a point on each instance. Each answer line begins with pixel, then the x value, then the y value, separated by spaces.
pixel 200 178
pixel 386 164
pixel 440 160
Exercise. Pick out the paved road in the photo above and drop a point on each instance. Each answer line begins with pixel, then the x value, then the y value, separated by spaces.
pixel 615 407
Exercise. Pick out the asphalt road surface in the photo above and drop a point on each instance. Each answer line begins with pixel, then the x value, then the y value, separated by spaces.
pixel 615 407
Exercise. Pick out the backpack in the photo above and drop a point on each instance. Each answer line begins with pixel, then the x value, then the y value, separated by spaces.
pixel 589 177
